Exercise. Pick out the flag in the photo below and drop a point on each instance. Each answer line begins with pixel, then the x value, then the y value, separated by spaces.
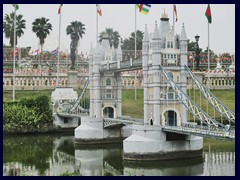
pixel 143 8
pixel 55 52
pixel 16 6
pixel 99 9
pixel 15 51
pixel 208 14
pixel 36 52
pixel 175 11
pixel 59 9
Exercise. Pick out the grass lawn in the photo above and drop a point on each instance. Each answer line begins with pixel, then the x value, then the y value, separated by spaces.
pixel 134 108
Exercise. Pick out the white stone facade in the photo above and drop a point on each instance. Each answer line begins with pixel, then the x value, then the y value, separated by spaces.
pixel 161 106
pixel 105 88
pixel 164 48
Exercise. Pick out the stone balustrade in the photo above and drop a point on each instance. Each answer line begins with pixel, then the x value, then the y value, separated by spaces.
pixel 36 81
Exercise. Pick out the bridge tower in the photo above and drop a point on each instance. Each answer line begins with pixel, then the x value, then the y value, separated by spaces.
pixel 161 105
pixel 105 94
pixel 105 87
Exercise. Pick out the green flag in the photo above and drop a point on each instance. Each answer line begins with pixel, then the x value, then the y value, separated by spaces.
pixel 208 14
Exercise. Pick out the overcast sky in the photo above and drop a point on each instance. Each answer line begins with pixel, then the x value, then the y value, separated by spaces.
pixel 121 17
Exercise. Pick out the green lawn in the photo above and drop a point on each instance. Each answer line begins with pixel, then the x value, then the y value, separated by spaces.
pixel 134 108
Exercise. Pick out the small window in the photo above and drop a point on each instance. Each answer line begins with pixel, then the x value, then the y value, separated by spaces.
pixel 171 44
pixel 168 44
pixel 171 56
pixel 108 82
pixel 108 96
pixel 170 95
pixel 65 120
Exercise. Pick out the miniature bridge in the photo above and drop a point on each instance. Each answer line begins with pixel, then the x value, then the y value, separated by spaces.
pixel 209 126
pixel 187 129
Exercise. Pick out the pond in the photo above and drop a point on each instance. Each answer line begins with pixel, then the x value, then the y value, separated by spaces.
pixel 53 155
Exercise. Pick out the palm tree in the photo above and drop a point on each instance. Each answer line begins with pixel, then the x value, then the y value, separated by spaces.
pixel 8 27
pixel 129 44
pixel 76 29
pixel 113 37
pixel 42 28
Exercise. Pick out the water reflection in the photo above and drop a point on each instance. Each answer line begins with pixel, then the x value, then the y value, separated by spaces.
pixel 219 164
pixel 190 167
pixel 99 160
pixel 53 155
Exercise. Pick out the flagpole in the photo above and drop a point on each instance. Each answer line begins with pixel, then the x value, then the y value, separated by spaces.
pixel 59 35
pixel 14 46
pixel 208 50
pixel 208 65
pixel 39 56
pixel 173 19
pixel 96 27
pixel 135 56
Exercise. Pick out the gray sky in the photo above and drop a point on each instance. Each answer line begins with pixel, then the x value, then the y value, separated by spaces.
pixel 121 18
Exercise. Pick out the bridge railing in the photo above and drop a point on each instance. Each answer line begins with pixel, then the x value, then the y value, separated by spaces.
pixel 200 131
pixel 113 65
pixel 215 103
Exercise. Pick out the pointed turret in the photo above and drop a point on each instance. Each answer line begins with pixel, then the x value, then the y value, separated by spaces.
pixel 90 57
pixel 164 28
pixel 183 46
pixel 91 49
pixel 119 49
pixel 119 55
pixel 145 43
pixel 156 32
pixel 183 34
pixel 105 42
pixel 145 36
pixel 156 46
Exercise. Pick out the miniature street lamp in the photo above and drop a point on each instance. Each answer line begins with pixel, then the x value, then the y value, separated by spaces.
pixel 197 51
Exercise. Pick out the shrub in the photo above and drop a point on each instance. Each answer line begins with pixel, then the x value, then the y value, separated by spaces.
pixel 27 114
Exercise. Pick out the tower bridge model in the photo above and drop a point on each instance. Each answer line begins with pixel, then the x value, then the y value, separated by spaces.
pixel 164 133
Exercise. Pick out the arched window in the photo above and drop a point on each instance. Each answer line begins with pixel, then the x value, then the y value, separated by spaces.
pixel 168 44
pixel 108 82
pixel 151 122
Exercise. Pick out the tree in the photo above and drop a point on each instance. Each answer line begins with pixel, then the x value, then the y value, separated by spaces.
pixel 42 28
pixel 8 27
pixel 129 44
pixel 76 29
pixel 113 37
pixel 192 46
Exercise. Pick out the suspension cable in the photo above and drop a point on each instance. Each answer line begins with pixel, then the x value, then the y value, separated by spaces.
pixel 189 91
pixel 167 106
pixel 194 97
pixel 174 117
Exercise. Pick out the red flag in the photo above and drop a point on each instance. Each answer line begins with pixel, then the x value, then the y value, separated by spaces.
pixel 175 11
pixel 59 9
pixel 208 14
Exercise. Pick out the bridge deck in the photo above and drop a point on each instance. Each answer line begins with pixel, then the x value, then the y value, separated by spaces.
pixel 218 134
pixel 71 115
pixel 195 130
pixel 126 65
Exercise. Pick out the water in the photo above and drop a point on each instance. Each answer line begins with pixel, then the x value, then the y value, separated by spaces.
pixel 53 155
